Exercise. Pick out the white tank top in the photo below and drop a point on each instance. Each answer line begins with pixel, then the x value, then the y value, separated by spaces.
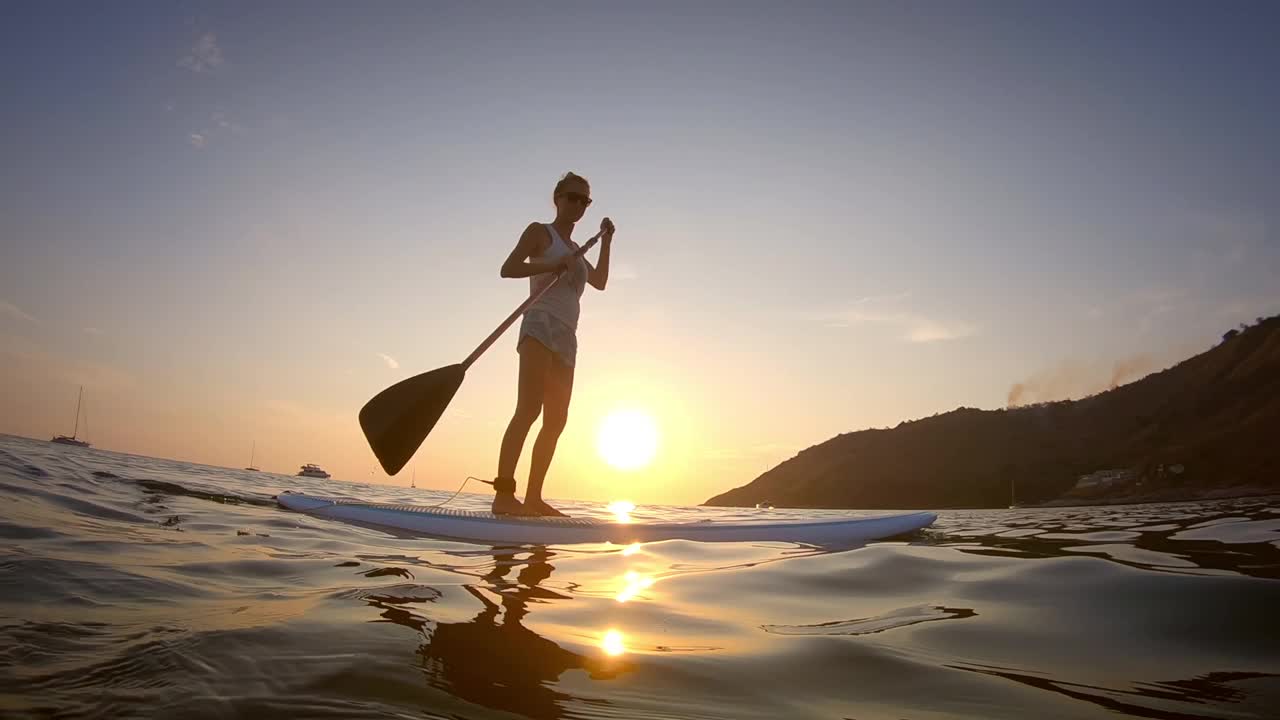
pixel 561 301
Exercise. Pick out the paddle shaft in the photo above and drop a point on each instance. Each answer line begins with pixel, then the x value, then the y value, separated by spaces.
pixel 493 337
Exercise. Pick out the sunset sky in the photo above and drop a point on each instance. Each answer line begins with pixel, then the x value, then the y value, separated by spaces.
pixel 236 222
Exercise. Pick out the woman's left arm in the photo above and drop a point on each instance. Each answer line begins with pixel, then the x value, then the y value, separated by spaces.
pixel 598 276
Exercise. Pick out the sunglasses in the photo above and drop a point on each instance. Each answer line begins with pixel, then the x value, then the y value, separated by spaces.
pixel 578 198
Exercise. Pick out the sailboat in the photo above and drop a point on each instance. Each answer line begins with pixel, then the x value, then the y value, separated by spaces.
pixel 72 440
pixel 251 452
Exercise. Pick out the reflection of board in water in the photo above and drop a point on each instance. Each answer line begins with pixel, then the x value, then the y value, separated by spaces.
pixel 487 527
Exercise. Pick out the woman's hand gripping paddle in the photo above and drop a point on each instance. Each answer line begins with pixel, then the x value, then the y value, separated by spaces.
pixel 398 419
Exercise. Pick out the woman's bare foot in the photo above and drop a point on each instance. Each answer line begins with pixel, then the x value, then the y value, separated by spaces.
pixel 504 500
pixel 538 506
pixel 506 504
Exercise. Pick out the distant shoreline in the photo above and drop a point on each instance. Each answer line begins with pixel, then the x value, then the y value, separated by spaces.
pixel 1164 496
pixel 1154 498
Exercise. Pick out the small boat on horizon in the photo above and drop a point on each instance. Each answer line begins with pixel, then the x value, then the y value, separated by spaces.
pixel 310 470
pixel 72 439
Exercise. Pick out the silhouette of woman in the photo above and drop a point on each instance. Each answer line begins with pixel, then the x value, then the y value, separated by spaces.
pixel 548 343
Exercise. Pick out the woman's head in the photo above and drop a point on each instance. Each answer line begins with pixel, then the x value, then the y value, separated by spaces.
pixel 572 196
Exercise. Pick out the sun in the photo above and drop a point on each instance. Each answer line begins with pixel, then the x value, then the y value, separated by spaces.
pixel 628 439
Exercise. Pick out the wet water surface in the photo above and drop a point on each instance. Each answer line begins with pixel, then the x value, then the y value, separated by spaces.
pixel 139 587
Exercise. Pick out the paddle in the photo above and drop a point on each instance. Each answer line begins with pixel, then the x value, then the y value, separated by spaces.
pixel 398 419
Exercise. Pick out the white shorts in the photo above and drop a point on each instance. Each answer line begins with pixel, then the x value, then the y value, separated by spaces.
pixel 552 332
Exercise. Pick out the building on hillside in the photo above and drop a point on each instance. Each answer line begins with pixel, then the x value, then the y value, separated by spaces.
pixel 1103 479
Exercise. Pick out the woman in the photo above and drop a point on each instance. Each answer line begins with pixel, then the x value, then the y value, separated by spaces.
pixel 548 343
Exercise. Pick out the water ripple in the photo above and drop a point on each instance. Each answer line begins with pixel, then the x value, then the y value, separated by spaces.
pixel 131 586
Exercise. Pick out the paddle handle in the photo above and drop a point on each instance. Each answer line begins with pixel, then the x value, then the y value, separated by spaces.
pixel 493 336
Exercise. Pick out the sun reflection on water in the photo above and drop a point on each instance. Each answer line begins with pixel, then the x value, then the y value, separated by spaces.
pixel 621 510
pixel 612 642
pixel 632 583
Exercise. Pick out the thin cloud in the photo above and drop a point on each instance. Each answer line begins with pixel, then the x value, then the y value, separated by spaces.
pixel 1145 309
pixel 22 358
pixel 390 361
pixel 302 413
pixel 908 325
pixel 93 331
pixel 220 126
pixel 882 299
pixel 205 55
pixel 623 271
pixel 222 121
pixel 924 330
pixel 1230 239
pixel 8 309
pixel 1249 308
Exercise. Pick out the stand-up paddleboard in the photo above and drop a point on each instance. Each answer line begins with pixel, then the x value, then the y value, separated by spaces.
pixel 487 527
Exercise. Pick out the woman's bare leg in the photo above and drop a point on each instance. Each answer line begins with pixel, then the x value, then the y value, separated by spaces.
pixel 535 362
pixel 558 390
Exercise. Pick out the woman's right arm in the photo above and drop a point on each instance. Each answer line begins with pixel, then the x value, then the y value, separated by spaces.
pixel 530 244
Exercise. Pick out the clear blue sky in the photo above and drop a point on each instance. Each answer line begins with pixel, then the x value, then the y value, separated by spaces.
pixel 230 220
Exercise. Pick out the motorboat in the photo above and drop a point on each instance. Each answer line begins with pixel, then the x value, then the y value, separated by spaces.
pixel 314 471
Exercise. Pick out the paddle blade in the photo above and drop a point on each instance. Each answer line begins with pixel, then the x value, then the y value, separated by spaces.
pixel 397 420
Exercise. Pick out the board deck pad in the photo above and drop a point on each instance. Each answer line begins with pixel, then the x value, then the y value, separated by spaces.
pixel 476 526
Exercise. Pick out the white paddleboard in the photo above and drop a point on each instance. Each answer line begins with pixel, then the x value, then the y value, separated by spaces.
pixel 487 527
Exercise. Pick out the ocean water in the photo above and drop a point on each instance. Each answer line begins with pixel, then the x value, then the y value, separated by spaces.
pixel 139 587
